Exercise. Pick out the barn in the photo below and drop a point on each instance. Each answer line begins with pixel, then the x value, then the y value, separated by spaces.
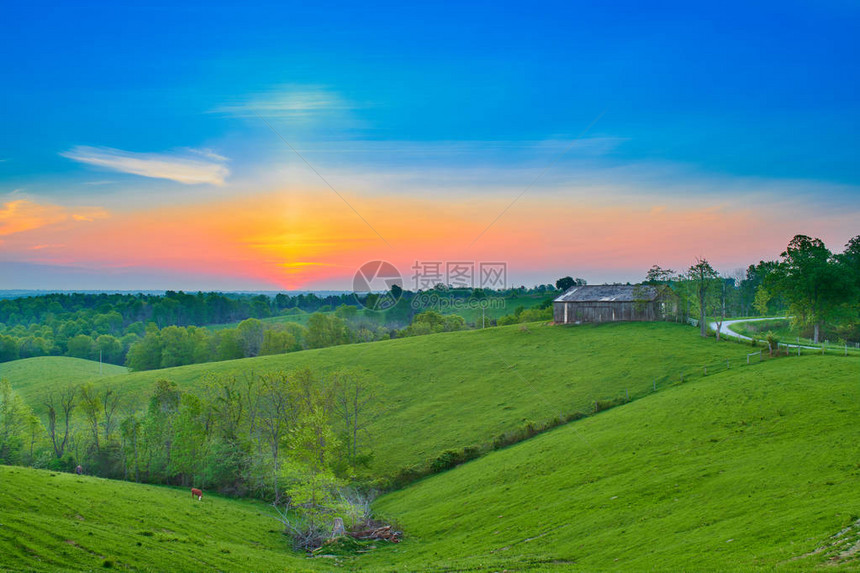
pixel 614 303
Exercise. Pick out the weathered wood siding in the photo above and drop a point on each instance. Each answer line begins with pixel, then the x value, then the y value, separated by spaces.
pixel 577 312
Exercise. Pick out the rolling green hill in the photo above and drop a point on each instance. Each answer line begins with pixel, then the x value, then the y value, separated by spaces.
pixel 745 470
pixel 55 521
pixel 34 377
pixel 459 389
pixel 749 469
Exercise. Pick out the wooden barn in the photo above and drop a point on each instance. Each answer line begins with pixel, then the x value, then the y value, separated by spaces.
pixel 614 303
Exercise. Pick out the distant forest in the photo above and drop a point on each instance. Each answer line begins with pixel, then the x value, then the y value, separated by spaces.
pixel 818 288
pixel 147 331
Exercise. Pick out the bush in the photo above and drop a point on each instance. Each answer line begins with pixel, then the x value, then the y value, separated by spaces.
pixel 772 342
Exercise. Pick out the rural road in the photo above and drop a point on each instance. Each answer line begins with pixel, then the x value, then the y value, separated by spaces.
pixel 726 331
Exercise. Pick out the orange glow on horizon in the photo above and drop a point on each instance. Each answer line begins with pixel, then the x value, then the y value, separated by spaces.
pixel 305 239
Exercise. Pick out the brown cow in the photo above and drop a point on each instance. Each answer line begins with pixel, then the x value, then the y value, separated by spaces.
pixel 197 493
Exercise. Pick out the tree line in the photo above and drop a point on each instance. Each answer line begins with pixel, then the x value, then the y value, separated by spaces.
pixel 820 289
pixel 296 439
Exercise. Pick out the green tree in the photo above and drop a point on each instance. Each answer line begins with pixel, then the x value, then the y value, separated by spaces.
pixel 145 354
pixel 277 342
pixel 356 405
pixel 251 335
pixel 812 281
pixel 8 348
pixel 110 348
pixel 60 403
pixel 81 346
pixel 326 330
pixel 703 277
pixel 14 416
pixel 564 283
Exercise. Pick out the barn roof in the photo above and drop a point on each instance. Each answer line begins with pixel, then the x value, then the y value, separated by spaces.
pixel 608 293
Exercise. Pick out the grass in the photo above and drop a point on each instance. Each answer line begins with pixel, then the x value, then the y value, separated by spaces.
pixel 782 330
pixel 496 308
pixel 750 469
pixel 452 390
pixel 33 378
pixel 54 521
pixel 298 318
pixel 502 306
pixel 747 470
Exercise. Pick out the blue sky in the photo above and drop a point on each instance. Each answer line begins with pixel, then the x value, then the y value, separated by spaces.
pixel 728 100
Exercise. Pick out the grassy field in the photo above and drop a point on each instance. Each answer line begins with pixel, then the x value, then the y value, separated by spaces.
pixel 298 318
pixel 54 521
pixel 495 309
pixel 465 388
pixel 749 469
pixel 34 377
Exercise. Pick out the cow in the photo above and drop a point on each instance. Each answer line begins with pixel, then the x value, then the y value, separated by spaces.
pixel 196 493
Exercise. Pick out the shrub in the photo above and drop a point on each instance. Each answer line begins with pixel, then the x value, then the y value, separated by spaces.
pixel 772 342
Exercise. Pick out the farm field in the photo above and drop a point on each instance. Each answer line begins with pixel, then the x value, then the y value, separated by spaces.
pixel 53 521
pixel 748 469
pixel 452 390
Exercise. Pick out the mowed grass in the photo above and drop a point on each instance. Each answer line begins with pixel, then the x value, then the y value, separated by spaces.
pixel 750 469
pixel 52 521
pixel 458 389
pixel 33 378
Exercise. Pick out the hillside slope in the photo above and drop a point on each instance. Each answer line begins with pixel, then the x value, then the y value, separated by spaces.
pixel 744 470
pixel 55 521
pixel 33 377
pixel 463 388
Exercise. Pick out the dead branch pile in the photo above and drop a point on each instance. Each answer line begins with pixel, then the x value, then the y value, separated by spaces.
pixel 375 530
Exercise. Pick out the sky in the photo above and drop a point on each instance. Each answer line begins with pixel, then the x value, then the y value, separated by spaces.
pixel 220 146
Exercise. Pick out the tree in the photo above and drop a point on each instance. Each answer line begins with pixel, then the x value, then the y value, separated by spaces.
pixel 92 408
pixel 111 401
pixel 811 280
pixel 657 275
pixel 81 346
pixel 326 330
pixel 702 275
pixel 277 342
pixel 8 348
pixel 65 400
pixel 355 405
pixel 565 283
pixel 251 336
pixel 14 416
pixel 277 417
pixel 145 354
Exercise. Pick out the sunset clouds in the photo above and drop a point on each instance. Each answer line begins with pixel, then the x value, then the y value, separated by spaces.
pixel 308 238
pixel 284 146
pixel 22 215
pixel 207 168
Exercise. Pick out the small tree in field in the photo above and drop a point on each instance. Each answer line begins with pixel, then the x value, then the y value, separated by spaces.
pixel 702 275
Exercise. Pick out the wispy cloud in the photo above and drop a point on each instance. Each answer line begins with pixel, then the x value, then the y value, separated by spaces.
pixel 181 168
pixel 293 102
pixel 25 215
